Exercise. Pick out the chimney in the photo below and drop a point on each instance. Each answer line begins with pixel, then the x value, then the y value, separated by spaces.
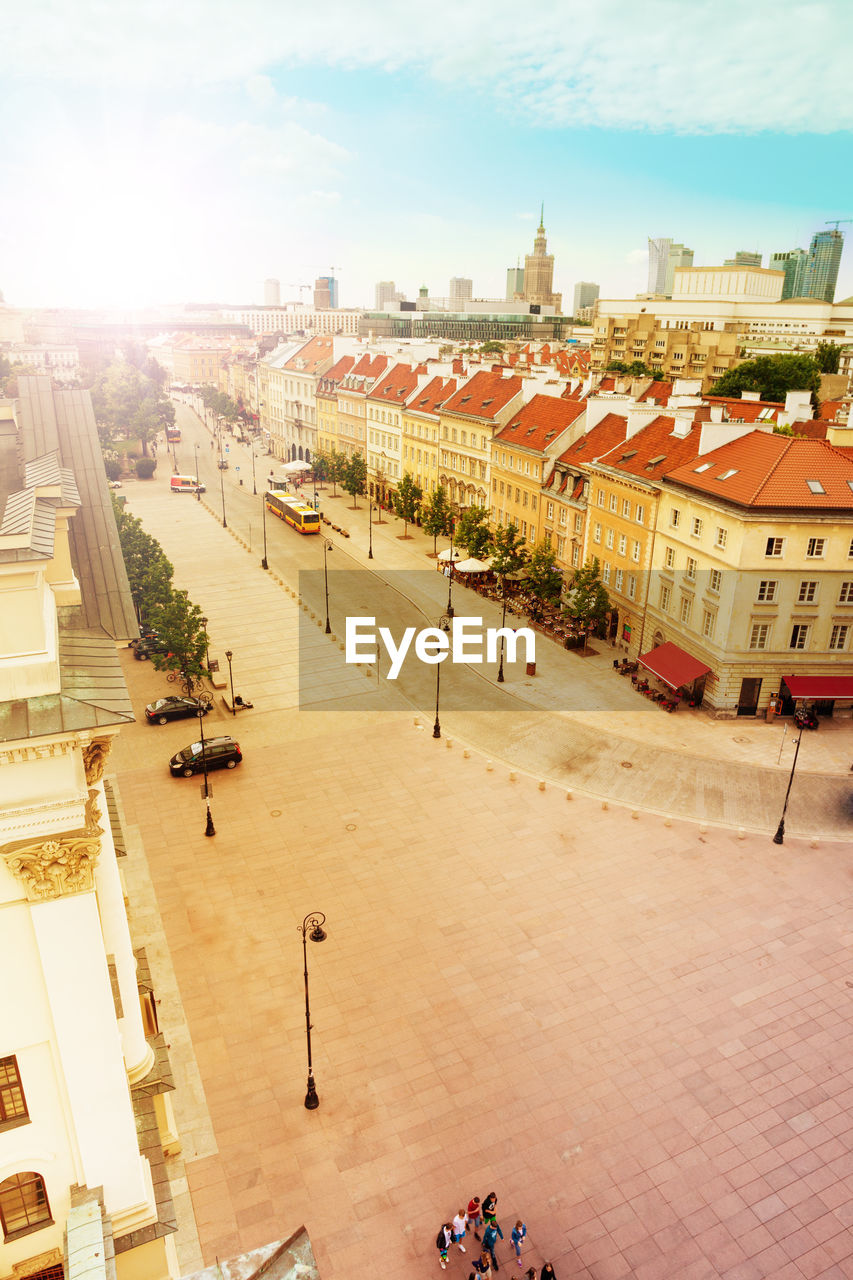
pixel 753 396
pixel 682 425
pixel 716 412
pixel 456 365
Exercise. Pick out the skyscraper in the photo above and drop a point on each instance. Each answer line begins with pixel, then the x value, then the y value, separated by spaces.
pixel 585 295
pixel 744 258
pixel 820 272
pixel 386 291
pixel 272 293
pixel 461 289
pixel 325 293
pixel 792 262
pixel 539 271
pixel 514 282
pixel 664 257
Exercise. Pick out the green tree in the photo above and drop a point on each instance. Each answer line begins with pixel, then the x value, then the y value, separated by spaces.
pixel 543 576
pixel 491 347
pixel 435 516
pixel 320 465
pixel 509 553
pixel 771 376
pixel 586 599
pixel 145 468
pixel 354 478
pixel 179 625
pixel 129 405
pixel 407 501
pixel 337 467
pixel 636 369
pixel 827 357
pixel 472 531
pixel 149 573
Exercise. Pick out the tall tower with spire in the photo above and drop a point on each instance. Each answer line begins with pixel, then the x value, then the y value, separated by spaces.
pixel 539 271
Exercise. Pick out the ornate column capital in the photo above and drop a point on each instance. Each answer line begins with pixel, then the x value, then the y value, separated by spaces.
pixel 61 865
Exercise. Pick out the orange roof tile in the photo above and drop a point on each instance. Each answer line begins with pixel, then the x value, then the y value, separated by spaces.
pixel 746 410
pixel 654 450
pixel 658 393
pixel 432 396
pixel 829 408
pixel 603 436
pixel 484 395
pixel 332 377
pixel 397 384
pixel 766 470
pixel 539 421
pixel 308 358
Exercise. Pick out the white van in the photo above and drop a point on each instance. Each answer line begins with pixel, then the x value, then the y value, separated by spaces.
pixel 186 484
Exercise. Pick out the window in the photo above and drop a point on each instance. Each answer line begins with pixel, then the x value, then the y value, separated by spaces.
pixel 686 608
pixel 799 635
pixel 722 537
pixel 613 502
pixel 675 518
pixel 578 523
pixel 807 593
pixel 600 500
pixel 767 590
pixel 635 550
pixel 850 550
pixel 845 596
pixel 563 515
pixel 665 594
pixel 533 502
pixel 576 556
pixel 609 539
pixel 596 532
pixel 715 581
pixel 690 571
pixel 605 572
pixel 774 547
pixel 632 586
pixel 669 558
pixel 641 514
pixel 618 580
pixel 709 622
pixel 758 635
pixel 696 527
pixel 23 1205
pixel 13 1107
pixel 626 507
pixel 623 544
pixel 550 509
pixel 814 548
pixel 838 636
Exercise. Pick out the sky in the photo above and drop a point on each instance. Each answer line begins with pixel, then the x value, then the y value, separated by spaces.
pixel 159 153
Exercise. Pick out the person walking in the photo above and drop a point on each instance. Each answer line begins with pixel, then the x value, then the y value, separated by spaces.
pixel 460 1228
pixel 519 1232
pixel 547 1272
pixel 490 1235
pixel 482 1266
pixel 489 1206
pixel 442 1243
pixel 474 1215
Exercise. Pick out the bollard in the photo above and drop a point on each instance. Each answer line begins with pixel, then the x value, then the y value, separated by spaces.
pixel 570 795
pixel 541 785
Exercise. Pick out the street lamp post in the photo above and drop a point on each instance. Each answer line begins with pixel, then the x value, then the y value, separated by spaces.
pixel 229 655
pixel 450 574
pixel 444 623
pixel 328 546
pixel 264 563
pixel 206 644
pixel 197 481
pixel 222 483
pixel 779 837
pixel 210 829
pixel 370 530
pixel 503 628
pixel 315 921
pixel 254 484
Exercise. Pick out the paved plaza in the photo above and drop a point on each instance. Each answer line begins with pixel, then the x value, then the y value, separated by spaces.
pixel 634 1029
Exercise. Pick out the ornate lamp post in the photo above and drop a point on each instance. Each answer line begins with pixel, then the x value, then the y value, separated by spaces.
pixel 328 546
pixel 503 628
pixel 229 655
pixel 264 563
pixel 450 573
pixel 197 481
pixel 206 644
pixel 254 482
pixel 444 623
pixel 370 530
pixel 779 837
pixel 314 922
pixel 222 483
pixel 210 829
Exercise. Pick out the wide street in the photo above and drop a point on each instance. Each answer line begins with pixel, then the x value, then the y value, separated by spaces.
pixel 633 1027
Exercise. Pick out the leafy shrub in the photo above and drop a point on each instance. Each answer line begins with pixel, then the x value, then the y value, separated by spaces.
pixel 145 468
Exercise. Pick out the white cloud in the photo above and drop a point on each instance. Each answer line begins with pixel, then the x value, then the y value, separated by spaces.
pixel 261 90
pixel 718 66
pixel 637 255
pixel 286 149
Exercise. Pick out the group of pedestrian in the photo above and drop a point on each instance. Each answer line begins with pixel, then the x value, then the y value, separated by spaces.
pixel 471 1219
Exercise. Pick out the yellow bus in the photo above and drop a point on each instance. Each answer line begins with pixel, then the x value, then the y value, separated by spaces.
pixel 293 511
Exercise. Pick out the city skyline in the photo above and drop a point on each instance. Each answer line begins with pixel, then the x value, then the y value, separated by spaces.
pixel 155 161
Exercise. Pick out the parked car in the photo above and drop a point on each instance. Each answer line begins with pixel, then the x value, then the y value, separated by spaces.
pixel 114 484
pixel 219 753
pixel 176 708
pixel 146 645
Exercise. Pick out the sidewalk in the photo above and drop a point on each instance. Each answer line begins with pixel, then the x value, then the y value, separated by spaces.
pixel 634 1032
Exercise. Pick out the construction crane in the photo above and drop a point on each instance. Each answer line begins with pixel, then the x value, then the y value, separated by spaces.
pixel 835 222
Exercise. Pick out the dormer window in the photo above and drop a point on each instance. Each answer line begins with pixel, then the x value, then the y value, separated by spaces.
pixel 815 486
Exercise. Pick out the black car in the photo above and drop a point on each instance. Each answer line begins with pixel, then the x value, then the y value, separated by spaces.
pixel 176 708
pixel 219 753
pixel 146 645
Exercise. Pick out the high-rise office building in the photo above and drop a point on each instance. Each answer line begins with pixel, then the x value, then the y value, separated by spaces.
pixel 461 290
pixel 744 258
pixel 664 257
pixel 820 272
pixel 325 293
pixel 514 282
pixel 539 271
pixel 386 291
pixel 792 262
pixel 586 294
pixel 272 292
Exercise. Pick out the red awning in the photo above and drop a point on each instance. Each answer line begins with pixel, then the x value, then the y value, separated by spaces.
pixel 673 665
pixel 820 686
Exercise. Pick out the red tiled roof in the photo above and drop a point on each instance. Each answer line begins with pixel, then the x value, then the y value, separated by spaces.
pixel 658 393
pixel 603 436
pixel 814 428
pixel 766 470
pixel 315 352
pixel 607 384
pixel 654 450
pixel 829 408
pixel 746 410
pixel 338 370
pixel 370 366
pixel 484 395
pixel 432 396
pixel 539 421
pixel 398 383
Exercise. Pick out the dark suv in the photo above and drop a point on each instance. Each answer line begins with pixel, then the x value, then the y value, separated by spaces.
pixel 219 753
pixel 146 645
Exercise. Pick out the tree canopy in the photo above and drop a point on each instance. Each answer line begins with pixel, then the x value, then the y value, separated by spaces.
pixel 587 600
pixel 636 369
pixel 178 624
pixel 354 477
pixel 472 531
pixel 149 573
pixel 509 553
pixel 543 576
pixel 130 405
pixel 407 501
pixel 435 515
pixel 771 376
pixel 827 357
